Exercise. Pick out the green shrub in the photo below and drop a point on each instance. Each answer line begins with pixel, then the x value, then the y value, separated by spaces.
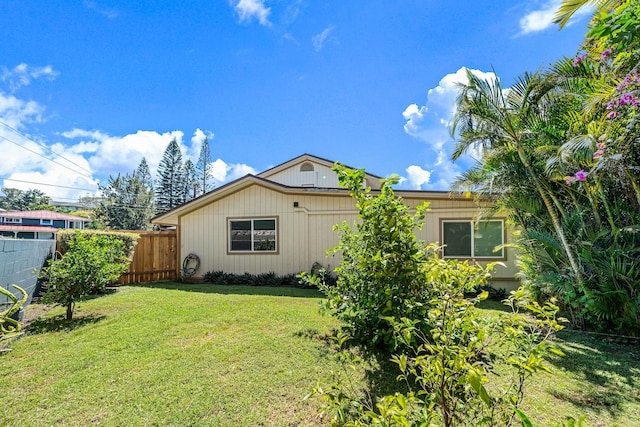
pixel 91 262
pixel 129 240
pixel 381 274
pixel 219 277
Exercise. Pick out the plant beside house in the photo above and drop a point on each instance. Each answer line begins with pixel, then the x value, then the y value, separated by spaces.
pixel 399 295
pixel 91 261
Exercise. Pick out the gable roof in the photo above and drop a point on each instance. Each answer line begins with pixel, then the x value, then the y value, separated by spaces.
pixel 171 216
pixel 304 158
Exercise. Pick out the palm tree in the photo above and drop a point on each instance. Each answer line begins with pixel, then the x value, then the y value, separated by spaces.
pixel 506 123
pixel 569 7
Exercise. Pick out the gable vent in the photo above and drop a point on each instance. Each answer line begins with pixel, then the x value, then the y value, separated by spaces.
pixel 306 167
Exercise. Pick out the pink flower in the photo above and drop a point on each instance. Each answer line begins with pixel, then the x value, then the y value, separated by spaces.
pixel 602 137
pixel 605 54
pixel 579 59
pixel 597 154
pixel 627 98
pixel 581 175
pixel 611 104
pixel 601 146
pixel 612 115
pixel 569 180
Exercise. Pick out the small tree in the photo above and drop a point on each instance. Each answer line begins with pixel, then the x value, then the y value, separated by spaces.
pixel 92 261
pixel 380 273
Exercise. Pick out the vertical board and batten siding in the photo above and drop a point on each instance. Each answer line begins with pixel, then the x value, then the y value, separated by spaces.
pixel 324 176
pixel 467 210
pixel 304 232
pixel 204 232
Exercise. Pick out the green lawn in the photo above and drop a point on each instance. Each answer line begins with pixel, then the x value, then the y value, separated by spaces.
pixel 179 354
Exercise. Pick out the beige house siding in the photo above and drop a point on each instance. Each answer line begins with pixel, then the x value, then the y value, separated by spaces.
pixel 321 176
pixel 306 205
pixel 304 232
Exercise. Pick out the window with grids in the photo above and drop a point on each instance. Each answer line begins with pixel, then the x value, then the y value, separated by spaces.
pixel 253 235
pixel 466 239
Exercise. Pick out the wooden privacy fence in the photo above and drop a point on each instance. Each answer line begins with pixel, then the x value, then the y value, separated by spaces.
pixel 154 259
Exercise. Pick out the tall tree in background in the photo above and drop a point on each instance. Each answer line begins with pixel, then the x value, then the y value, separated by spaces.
pixel 203 168
pixel 144 174
pixel 127 203
pixel 170 187
pixel 190 182
pixel 19 200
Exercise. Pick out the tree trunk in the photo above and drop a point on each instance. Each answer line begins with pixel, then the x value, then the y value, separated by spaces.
pixel 552 213
pixel 69 311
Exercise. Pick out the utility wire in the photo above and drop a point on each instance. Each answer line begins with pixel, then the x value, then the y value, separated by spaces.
pixel 49 185
pixel 43 146
pixel 46 158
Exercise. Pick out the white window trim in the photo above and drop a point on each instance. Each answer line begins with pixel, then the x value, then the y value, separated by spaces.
pixel 497 256
pixel 46 222
pixel 11 220
pixel 252 251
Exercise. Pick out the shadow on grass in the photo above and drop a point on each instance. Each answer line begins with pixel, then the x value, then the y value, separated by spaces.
pixel 380 374
pixel 210 288
pixel 59 324
pixel 609 368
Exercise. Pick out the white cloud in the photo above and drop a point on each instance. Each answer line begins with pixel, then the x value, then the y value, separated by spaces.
pixel 196 143
pixel 414 117
pixel 319 39
pixel 73 166
pixel 22 75
pixel 247 10
pixel 539 20
pixel 417 177
pixel 122 154
pixel 109 13
pixel 430 123
pixel 16 113
pixel 223 172
pixel 542 18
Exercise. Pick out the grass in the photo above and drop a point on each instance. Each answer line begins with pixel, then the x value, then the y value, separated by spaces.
pixel 168 355
pixel 176 354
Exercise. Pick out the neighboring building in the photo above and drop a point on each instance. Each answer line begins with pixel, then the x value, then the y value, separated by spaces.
pixel 281 220
pixel 37 224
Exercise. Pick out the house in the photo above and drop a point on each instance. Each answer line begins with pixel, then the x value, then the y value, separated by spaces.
pixel 37 224
pixel 281 221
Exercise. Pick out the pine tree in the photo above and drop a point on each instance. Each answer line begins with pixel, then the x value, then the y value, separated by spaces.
pixel 144 174
pixel 191 184
pixel 127 203
pixel 170 188
pixel 203 169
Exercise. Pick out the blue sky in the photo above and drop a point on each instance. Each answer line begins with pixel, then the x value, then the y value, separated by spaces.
pixel 89 87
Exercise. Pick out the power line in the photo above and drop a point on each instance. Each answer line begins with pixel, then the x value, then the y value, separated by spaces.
pixel 49 185
pixel 43 146
pixel 46 158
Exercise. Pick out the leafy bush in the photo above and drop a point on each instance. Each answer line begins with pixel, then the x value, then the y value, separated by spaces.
pixel 129 240
pixel 381 274
pixel 447 372
pixel 219 277
pixel 91 262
